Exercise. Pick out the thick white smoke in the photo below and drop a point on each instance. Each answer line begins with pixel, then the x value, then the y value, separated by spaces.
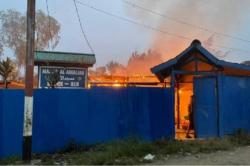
pixel 225 16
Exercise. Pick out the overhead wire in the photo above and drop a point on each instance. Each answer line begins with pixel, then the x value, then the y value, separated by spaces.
pixel 183 22
pixel 82 29
pixel 131 21
pixel 49 24
pixel 148 26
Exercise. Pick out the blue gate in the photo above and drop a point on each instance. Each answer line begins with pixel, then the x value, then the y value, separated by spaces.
pixel 205 107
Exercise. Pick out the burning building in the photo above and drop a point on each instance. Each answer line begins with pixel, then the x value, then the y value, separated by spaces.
pixel 125 81
pixel 199 80
pixel 135 73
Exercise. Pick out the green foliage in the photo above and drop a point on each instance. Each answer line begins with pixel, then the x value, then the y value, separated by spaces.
pixel 53 78
pixel 132 150
pixel 10 160
pixel 240 138
pixel 6 69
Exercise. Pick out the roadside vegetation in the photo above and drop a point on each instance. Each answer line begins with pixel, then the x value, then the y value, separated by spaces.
pixel 133 151
pixel 7 68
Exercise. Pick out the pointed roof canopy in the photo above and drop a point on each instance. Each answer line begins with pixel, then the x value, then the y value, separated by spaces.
pixel 164 70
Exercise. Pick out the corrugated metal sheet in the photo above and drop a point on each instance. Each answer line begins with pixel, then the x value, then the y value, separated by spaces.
pixel 206 113
pixel 235 104
pixel 86 116
pixel 64 57
pixel 230 114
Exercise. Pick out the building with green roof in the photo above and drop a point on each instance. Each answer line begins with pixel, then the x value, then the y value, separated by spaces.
pixel 65 59
pixel 72 67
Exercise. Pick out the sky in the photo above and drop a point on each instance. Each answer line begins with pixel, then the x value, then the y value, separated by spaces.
pixel 115 39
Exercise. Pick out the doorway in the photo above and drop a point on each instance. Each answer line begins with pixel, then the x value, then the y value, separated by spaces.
pixel 183 107
pixel 196 113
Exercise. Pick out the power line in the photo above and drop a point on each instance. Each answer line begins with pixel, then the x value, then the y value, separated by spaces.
pixel 81 26
pixel 131 21
pixel 148 26
pixel 50 35
pixel 183 22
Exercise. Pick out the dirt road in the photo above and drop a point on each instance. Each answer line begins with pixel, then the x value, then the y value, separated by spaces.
pixel 239 156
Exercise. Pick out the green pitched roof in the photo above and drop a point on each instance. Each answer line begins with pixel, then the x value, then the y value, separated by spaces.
pixel 64 57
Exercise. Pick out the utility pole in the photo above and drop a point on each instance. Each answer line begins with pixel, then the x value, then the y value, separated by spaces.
pixel 28 99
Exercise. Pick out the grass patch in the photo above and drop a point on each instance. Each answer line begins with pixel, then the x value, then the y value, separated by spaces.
pixel 240 138
pixel 10 160
pixel 132 151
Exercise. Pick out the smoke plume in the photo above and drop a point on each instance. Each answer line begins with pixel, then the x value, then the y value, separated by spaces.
pixel 138 64
pixel 224 16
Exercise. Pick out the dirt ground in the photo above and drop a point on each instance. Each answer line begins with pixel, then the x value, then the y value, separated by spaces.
pixel 239 156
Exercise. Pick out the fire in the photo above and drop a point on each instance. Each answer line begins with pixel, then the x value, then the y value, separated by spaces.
pixel 124 81
pixel 135 73
pixel 89 85
pixel 116 85
pixel 185 92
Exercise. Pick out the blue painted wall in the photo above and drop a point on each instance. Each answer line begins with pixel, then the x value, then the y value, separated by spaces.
pixel 235 104
pixel 86 116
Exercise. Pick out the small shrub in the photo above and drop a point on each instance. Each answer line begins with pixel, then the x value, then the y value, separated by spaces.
pixel 240 138
pixel 74 147
pixel 10 160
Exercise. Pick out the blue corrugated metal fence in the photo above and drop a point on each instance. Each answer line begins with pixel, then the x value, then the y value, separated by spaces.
pixel 85 116
pixel 235 104
pixel 222 105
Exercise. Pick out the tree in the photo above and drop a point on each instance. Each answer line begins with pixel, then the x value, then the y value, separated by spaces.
pixel 142 62
pixel 6 68
pixel 101 70
pixel 13 32
pixel 53 78
pixel 1 49
pixel 115 68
